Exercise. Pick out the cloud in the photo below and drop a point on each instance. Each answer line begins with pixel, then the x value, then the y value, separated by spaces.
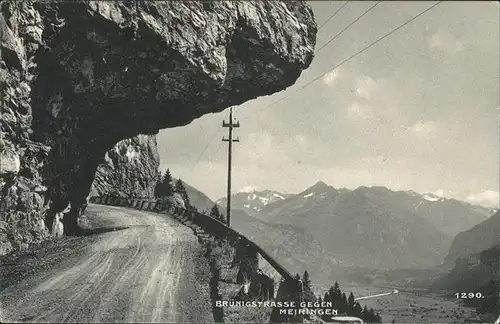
pixel 248 189
pixel 400 84
pixel 445 42
pixel 424 129
pixel 489 198
pixel 259 144
pixel 365 87
pixel 300 140
pixel 439 192
pixel 331 77
pixel 356 111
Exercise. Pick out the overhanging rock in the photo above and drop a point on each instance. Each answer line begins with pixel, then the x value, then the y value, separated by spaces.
pixel 78 77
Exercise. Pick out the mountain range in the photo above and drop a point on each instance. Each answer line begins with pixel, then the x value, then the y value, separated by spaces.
pixel 372 227
pixel 449 216
pixel 253 202
pixel 198 199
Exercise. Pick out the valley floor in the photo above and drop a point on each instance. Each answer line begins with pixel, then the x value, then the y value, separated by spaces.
pixel 412 306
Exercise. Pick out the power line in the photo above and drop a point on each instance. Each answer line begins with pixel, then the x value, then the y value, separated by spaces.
pixel 347 27
pixel 205 149
pixel 210 142
pixel 355 54
pixel 336 66
pixel 334 14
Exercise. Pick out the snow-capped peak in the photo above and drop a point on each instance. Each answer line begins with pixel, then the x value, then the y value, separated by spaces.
pixel 279 196
pixel 432 197
pixel 413 193
pixel 264 200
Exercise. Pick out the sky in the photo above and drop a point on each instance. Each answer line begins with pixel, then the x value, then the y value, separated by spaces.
pixel 418 110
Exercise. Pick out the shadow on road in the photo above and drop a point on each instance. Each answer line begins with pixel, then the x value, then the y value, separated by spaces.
pixel 100 230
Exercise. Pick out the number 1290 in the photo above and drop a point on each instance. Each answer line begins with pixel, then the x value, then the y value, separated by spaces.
pixel 468 295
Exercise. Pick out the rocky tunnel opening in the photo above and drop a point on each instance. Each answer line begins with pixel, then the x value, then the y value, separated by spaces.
pixel 77 78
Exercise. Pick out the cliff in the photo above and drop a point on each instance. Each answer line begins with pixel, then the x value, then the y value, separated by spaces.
pixel 129 169
pixel 480 237
pixel 78 77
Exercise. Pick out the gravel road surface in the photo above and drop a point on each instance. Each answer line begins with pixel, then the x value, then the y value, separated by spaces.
pixel 150 269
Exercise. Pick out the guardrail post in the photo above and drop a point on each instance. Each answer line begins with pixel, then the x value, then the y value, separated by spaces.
pixel 249 263
pixel 288 291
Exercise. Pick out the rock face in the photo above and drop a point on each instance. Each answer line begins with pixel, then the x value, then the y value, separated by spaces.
pixel 479 238
pixel 129 169
pixel 78 77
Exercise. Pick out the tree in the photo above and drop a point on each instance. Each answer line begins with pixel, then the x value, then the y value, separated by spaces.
pixel 215 213
pixel 168 190
pixel 163 186
pixel 344 305
pixel 306 282
pixel 351 301
pixel 157 191
pixel 336 289
pixel 358 310
pixel 333 298
pixel 181 190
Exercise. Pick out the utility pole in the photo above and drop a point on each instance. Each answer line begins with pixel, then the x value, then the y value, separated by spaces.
pixel 230 125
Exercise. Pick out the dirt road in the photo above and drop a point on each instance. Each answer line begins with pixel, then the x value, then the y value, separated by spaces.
pixel 152 271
